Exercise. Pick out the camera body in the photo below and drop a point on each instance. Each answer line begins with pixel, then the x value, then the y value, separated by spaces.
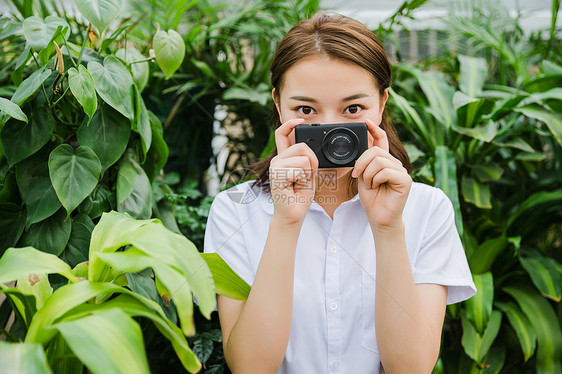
pixel 335 145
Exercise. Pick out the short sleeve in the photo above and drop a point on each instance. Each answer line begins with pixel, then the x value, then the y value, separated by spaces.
pixel 441 258
pixel 224 236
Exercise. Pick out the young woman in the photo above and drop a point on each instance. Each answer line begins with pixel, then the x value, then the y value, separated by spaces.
pixel 351 268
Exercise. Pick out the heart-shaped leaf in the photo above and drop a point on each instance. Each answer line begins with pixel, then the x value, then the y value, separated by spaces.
pixel 114 84
pixel 169 49
pixel 74 174
pixel 140 70
pixel 39 32
pixel 82 87
pixel 99 12
pixel 50 235
pixel 134 193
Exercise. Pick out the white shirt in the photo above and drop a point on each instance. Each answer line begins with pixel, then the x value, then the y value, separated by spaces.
pixel 333 321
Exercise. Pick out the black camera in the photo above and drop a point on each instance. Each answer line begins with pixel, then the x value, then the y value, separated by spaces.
pixel 335 145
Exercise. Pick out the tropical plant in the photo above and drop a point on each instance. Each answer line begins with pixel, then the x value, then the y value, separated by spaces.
pixel 492 142
pixel 89 321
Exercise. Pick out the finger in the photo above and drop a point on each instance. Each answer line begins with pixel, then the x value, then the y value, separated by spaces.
pixel 296 162
pixel 379 135
pixel 282 133
pixel 391 176
pixel 367 157
pixel 301 149
pixel 377 165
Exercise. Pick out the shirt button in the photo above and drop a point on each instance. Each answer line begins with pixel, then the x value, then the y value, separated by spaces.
pixel 336 366
pixel 333 306
pixel 333 249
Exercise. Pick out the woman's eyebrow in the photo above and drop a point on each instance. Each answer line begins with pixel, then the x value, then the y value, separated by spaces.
pixel 356 96
pixel 304 98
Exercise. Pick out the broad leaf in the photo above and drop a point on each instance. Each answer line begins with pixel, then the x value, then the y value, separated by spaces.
pixel 486 132
pixel 12 224
pixel 74 174
pixel 140 70
pixel 522 326
pixel 41 200
pixel 76 250
pixel 36 284
pixel 99 201
pixel 50 235
pixel 30 85
pixel 476 193
pixel 476 346
pixel 39 32
pixel 487 173
pixel 18 262
pixel 134 192
pixel 141 123
pixel 539 208
pixel 99 12
pixel 114 84
pixel 227 282
pixel 158 144
pixel 110 334
pixel 544 321
pixel 12 110
pixel 446 179
pixel 82 87
pixel 483 257
pixel 20 141
pixel 169 49
pixel 107 135
pixel 23 358
pixel 473 72
pixel 479 307
pixel 544 274
pixel 552 119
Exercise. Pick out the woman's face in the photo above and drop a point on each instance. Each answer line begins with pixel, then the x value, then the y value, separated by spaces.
pixel 323 90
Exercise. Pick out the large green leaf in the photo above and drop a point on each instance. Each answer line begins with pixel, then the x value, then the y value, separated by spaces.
pixel 12 110
pixel 12 224
pixel 412 118
pixel 37 285
pixel 487 173
pixel 546 325
pixel 544 274
pixel 476 193
pixel 227 282
pixel 473 72
pixel 30 85
pixel 50 235
pixel 107 135
pixel 21 141
pixel 470 111
pixel 99 12
pixel 107 341
pixel 74 174
pixel 141 123
pixel 140 70
pixel 41 200
pixel 134 192
pixel 482 258
pixel 552 119
pixel 114 84
pixel 541 207
pixel 39 32
pixel 76 250
pixel 99 201
pixel 476 346
pixel 82 87
pixel 18 262
pixel 522 326
pixel 446 179
pixel 169 50
pixel 479 306
pixel 23 358
pixel 158 144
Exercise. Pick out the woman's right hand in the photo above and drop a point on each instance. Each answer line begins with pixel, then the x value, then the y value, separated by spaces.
pixel 292 175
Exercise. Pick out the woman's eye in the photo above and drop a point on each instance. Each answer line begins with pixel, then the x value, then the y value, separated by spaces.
pixel 353 109
pixel 306 110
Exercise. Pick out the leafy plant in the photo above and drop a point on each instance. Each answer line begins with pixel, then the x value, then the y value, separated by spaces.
pixel 89 321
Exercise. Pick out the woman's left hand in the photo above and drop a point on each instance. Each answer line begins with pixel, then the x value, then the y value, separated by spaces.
pixel 382 181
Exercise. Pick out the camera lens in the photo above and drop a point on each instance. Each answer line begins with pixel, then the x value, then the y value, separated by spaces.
pixel 340 145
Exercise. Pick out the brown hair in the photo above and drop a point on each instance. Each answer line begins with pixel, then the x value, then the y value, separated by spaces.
pixel 340 38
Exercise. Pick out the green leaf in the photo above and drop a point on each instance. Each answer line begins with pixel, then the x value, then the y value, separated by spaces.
pixel 74 174
pixel 476 193
pixel 23 305
pixel 204 68
pixel 110 334
pixel 539 207
pixel 140 70
pixel 479 306
pixel 553 120
pixel 141 123
pixel 476 346
pixel 12 224
pixel 522 326
pixel 473 72
pixel 99 201
pixel 21 141
pixel 487 173
pixel 158 144
pixel 41 201
pixel 486 133
pixel 227 282
pixel 134 192
pixel 76 250
pixel 169 50
pixel 50 235
pixel 483 257
pixel 18 262
pixel 203 349
pixel 446 179
pixel 411 116
pixel 30 85
pixel 39 32
pixel 247 94
pixel 114 35
pixel 21 63
pixel 114 84
pixel 99 12
pixel 37 285
pixel 546 325
pixel 82 87
pixel 544 274
pixel 12 110
pixel 470 110
pixel 107 135
pixel 23 358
